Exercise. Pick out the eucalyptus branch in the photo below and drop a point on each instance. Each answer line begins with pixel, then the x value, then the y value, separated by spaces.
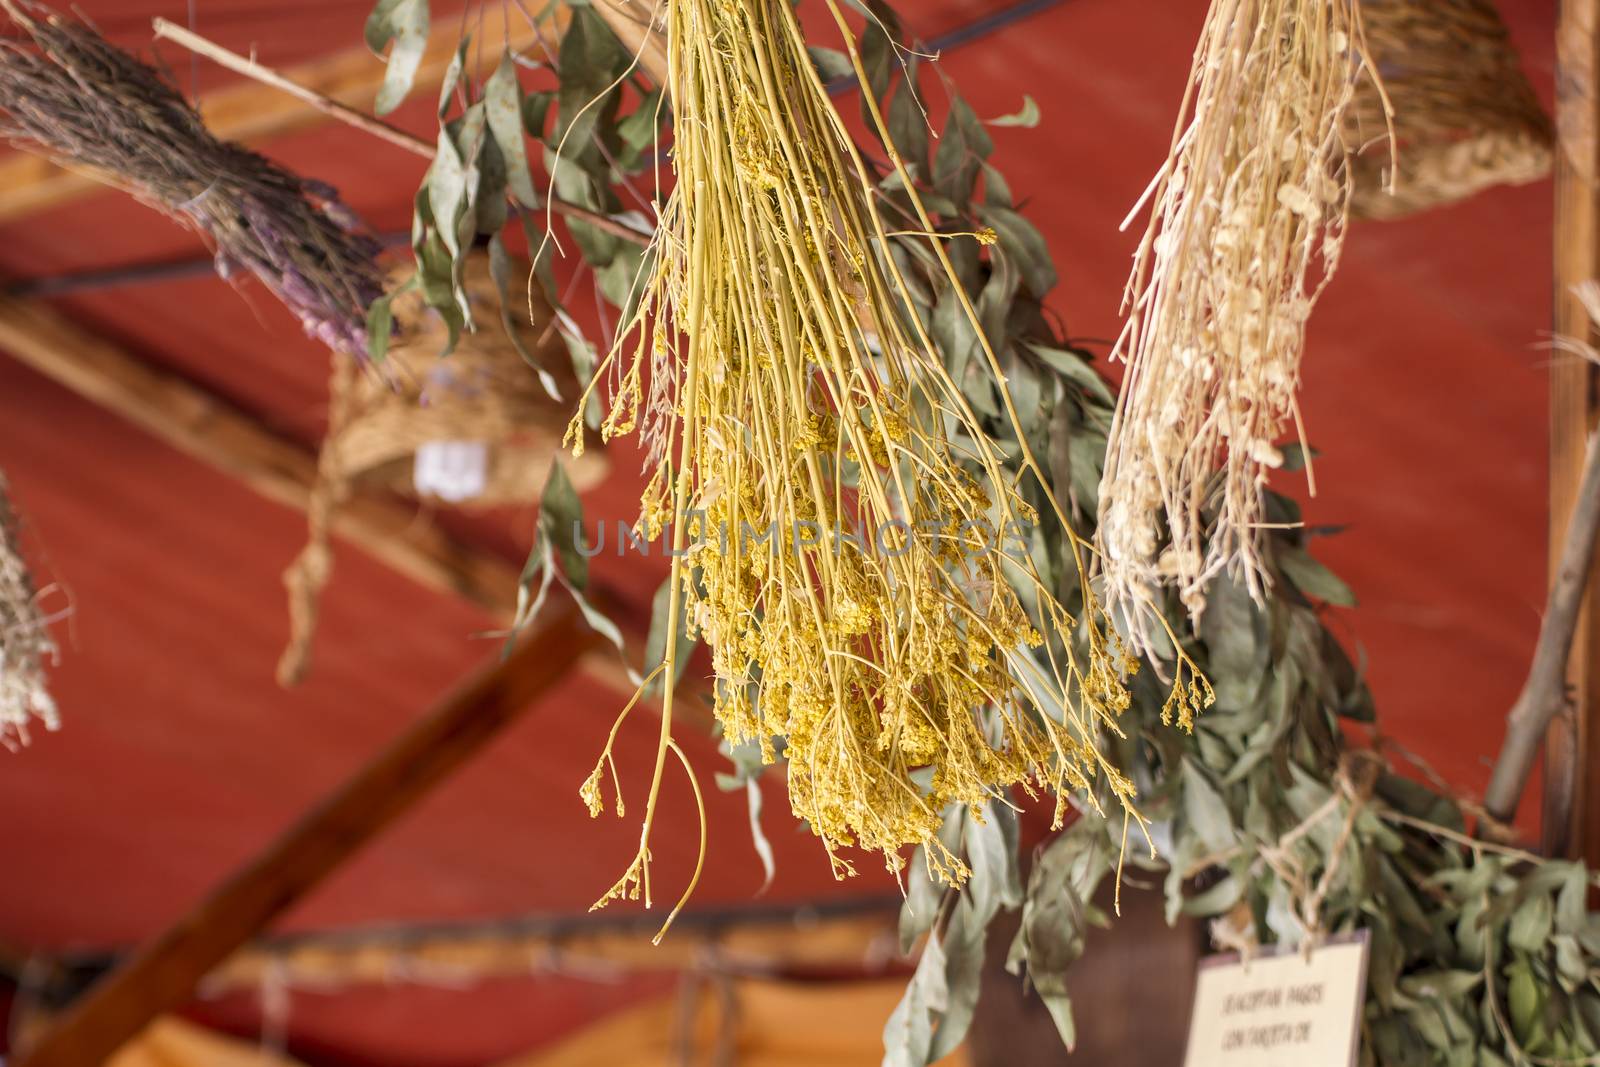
pixel 1544 694
pixel 165 30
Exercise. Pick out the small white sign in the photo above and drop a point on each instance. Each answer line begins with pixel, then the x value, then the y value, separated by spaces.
pixel 1283 1009
pixel 451 470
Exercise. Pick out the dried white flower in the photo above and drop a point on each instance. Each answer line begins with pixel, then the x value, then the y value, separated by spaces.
pixel 1246 227
pixel 25 644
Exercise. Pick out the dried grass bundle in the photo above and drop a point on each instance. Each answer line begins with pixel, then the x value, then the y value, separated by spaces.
pixel 1247 224
pixel 69 93
pixel 25 644
pixel 844 516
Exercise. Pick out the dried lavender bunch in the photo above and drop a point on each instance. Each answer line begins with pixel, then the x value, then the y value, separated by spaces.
pixel 68 93
pixel 25 644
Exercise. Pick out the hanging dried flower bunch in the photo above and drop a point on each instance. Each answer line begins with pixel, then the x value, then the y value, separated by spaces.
pixel 1246 228
pixel 849 533
pixel 25 644
pixel 67 92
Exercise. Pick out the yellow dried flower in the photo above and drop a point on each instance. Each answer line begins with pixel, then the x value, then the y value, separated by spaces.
pixel 860 605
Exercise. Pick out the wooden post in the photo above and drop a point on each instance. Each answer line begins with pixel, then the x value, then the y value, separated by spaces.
pixel 163 975
pixel 1571 822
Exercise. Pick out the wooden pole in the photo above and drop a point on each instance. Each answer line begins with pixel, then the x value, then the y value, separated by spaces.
pixel 1571 822
pixel 1543 697
pixel 163 975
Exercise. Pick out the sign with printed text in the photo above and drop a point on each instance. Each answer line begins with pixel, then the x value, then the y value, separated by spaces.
pixel 1283 1009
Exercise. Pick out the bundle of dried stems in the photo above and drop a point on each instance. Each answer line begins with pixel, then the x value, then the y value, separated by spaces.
pixel 1246 228
pixel 876 631
pixel 68 93
pixel 25 644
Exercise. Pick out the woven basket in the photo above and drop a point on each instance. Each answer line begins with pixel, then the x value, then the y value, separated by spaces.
pixel 482 392
pixel 483 396
pixel 1465 117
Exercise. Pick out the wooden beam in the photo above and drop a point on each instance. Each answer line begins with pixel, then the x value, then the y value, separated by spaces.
pixel 163 975
pixel 209 429
pixel 252 114
pixel 858 939
pixel 754 1023
pixel 1571 820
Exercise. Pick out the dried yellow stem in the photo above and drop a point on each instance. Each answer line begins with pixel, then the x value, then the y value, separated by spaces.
pixel 852 532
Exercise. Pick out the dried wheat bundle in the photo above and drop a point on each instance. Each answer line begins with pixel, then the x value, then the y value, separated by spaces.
pixel 842 514
pixel 67 92
pixel 1246 228
pixel 25 644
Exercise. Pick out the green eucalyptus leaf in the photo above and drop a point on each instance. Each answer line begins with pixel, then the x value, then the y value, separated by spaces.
pixel 954 336
pixel 447 192
pixel 963 945
pixel 452 76
pixel 599 621
pixel 640 130
pixel 1523 1000
pixel 924 893
pixel 1217 899
pixel 1060 1007
pixel 502 100
pixel 561 522
pixel 992 854
pixel 908 1035
pixel 655 646
pixel 1205 809
pixel 1296 455
pixel 1027 116
pixel 1313 579
pixel 878 61
pixel 589 63
pixel 538 574
pixel 380 319
pixel 1075 367
pixel 908 126
pixel 500 273
pixel 1531 924
pixel 1022 241
pixel 996 190
pixel 961 153
pixel 404 23
pixel 536 112
pixel 831 63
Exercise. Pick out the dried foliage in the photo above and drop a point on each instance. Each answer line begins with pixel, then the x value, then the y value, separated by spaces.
pixel 1246 229
pixel 25 644
pixel 67 92
pixel 1269 816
